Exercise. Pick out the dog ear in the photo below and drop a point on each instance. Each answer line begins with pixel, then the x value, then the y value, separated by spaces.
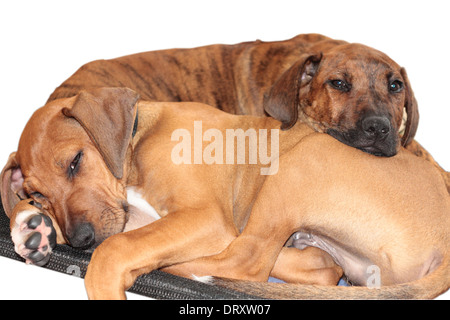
pixel 108 116
pixel 412 111
pixel 12 185
pixel 282 101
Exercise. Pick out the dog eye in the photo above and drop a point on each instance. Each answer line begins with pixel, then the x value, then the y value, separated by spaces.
pixel 395 86
pixel 75 165
pixel 340 85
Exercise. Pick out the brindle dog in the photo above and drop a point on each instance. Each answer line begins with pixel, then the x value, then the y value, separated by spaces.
pixel 346 90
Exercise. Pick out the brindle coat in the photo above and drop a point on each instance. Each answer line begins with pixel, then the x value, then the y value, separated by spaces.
pixel 256 78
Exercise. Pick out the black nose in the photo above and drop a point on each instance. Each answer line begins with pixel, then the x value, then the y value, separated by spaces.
pixel 83 236
pixel 376 127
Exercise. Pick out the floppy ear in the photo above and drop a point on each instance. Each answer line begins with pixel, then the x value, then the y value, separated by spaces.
pixel 108 116
pixel 282 100
pixel 412 111
pixel 12 181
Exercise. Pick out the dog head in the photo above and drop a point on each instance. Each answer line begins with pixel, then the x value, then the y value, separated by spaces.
pixel 352 92
pixel 71 162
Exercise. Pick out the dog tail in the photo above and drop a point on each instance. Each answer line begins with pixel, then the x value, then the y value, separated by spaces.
pixel 428 287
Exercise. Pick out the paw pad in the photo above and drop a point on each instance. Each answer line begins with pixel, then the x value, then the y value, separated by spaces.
pixel 34 237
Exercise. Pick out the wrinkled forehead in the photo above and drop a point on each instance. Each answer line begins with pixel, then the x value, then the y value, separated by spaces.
pixel 356 57
pixel 49 134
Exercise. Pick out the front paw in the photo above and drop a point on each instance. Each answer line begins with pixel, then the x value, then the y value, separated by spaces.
pixel 34 236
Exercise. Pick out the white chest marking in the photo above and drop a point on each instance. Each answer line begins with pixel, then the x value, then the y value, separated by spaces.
pixel 134 198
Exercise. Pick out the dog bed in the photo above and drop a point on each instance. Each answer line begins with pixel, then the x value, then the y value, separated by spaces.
pixel 157 284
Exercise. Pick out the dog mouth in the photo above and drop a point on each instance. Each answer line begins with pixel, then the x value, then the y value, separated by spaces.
pixel 124 217
pixel 386 147
pixel 374 150
pixel 113 221
pixel 88 236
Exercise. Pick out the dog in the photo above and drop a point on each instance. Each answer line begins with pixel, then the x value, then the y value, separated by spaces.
pixel 371 209
pixel 79 174
pixel 342 89
pixel 348 90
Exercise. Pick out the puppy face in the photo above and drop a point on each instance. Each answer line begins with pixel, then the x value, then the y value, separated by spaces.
pixel 352 92
pixel 64 172
pixel 71 161
pixel 357 95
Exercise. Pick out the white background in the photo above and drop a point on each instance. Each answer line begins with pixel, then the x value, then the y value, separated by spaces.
pixel 43 42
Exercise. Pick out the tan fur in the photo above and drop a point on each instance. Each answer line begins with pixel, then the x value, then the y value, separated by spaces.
pixel 380 209
pixel 204 208
pixel 325 195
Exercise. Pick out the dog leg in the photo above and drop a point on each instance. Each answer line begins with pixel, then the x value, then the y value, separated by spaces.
pixel 248 257
pixel 308 266
pixel 178 237
pixel 252 255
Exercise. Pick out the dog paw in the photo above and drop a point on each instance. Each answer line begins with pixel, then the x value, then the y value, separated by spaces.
pixel 34 236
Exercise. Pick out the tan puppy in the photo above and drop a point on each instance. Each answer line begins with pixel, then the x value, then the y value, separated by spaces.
pixel 353 92
pixel 389 216
pixel 76 162
pixel 79 158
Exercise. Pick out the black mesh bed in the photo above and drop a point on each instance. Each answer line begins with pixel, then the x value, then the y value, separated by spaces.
pixel 157 284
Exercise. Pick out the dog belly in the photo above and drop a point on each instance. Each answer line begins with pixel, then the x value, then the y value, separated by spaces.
pixel 357 269
pixel 140 211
